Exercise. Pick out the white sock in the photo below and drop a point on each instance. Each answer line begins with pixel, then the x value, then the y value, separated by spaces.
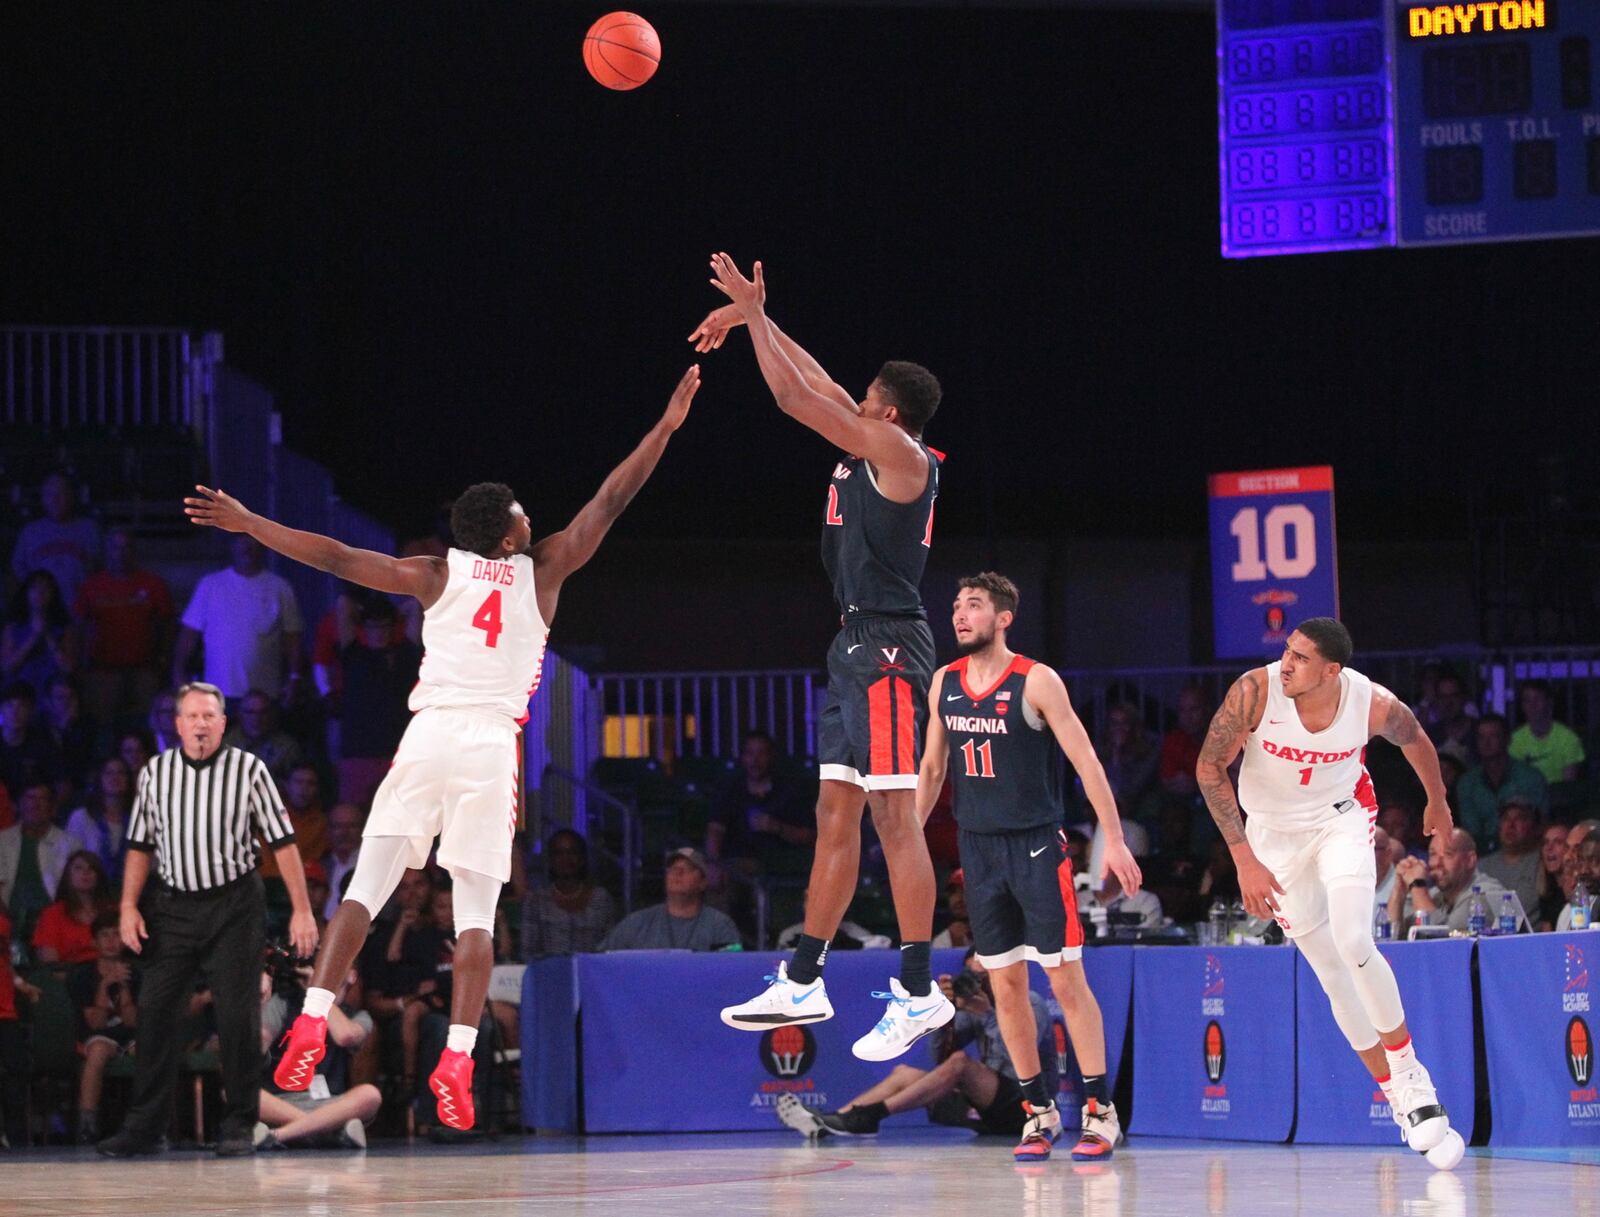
pixel 462 1039
pixel 318 1002
pixel 1402 1059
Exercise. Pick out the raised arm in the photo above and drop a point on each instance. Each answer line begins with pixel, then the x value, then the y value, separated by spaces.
pixel 558 555
pixel 1392 718
pixel 1047 693
pixel 711 333
pixel 935 754
pixel 890 449
pixel 423 578
pixel 1239 714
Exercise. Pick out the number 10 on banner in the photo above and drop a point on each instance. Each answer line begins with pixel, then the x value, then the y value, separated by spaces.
pixel 1273 561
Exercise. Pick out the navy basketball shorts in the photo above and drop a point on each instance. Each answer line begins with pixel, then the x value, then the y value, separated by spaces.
pixel 1020 899
pixel 879 669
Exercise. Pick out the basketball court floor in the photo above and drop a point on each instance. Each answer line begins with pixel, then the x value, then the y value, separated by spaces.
pixel 917 1171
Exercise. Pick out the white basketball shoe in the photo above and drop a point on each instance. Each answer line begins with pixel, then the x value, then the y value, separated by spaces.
pixel 905 1021
pixel 1422 1118
pixel 784 1002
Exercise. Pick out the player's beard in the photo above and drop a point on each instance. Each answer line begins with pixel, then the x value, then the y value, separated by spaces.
pixel 976 643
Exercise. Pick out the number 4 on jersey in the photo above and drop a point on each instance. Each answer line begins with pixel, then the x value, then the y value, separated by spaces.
pixel 487 619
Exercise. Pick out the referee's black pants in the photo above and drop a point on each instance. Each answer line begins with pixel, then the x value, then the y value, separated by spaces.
pixel 221 933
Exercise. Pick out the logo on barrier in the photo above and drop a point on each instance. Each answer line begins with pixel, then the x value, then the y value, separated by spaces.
pixel 1580 1051
pixel 788 1052
pixel 1211 1005
pixel 1216 1052
pixel 1575 992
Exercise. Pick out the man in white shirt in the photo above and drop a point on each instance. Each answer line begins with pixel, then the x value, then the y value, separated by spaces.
pixel 250 622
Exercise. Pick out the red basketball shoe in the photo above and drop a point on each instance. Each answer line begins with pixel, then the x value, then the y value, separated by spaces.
pixel 307 1043
pixel 451 1082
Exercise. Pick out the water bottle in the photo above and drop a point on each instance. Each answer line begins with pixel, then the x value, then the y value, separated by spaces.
pixel 1580 906
pixel 1508 914
pixel 1382 931
pixel 1217 924
pixel 1236 920
pixel 1477 912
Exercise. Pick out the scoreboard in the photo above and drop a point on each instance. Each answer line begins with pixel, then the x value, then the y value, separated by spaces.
pixel 1364 124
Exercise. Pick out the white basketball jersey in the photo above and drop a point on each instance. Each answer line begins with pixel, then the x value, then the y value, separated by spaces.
pixel 483 640
pixel 1292 779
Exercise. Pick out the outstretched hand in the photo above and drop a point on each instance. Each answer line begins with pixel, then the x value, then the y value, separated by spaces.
pixel 749 296
pixel 678 405
pixel 217 509
pixel 713 331
pixel 1118 859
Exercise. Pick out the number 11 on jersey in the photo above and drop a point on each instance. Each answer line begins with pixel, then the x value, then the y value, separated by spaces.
pixel 980 759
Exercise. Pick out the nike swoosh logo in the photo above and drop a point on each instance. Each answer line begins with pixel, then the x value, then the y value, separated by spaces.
pixel 955 697
pixel 803 997
pixel 858 645
pixel 1273 722
pixel 1035 853
pixel 920 1013
pixel 1364 962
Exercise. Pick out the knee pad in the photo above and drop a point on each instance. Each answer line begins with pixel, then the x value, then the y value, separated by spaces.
pixel 475 896
pixel 1348 1010
pixel 378 869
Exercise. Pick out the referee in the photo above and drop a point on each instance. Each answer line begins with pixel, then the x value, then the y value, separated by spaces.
pixel 196 807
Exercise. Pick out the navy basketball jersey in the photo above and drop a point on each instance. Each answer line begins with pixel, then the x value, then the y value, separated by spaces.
pixel 874 549
pixel 1002 752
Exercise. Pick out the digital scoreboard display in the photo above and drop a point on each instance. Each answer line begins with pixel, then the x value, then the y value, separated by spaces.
pixel 1364 124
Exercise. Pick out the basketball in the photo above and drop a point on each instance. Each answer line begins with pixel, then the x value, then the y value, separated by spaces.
pixel 621 50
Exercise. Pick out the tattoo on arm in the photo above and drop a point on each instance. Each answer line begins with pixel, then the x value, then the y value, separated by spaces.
pixel 1229 725
pixel 1400 725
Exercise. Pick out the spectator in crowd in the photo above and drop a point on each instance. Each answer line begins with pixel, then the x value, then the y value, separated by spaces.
pixel 37 644
pixel 1397 816
pixel 101 824
pixel 1180 746
pixel 15 1065
pixel 60 541
pixel 257 732
pixel 1121 908
pixel 762 821
pixel 64 932
pixel 127 617
pixel 1172 871
pixel 27 752
pixel 958 930
pixel 162 722
pixel 683 921
pixel 1552 748
pixel 136 748
pixel 1497 777
pixel 1552 897
pixel 1129 758
pixel 380 667
pixel 399 955
pixel 1386 852
pixel 105 992
pixel 984 1085
pixel 1517 863
pixel 1452 729
pixel 1134 835
pixel 1427 705
pixel 849 936
pixel 344 847
pixel 1220 879
pixel 1585 863
pixel 1453 868
pixel 250 622
pixel 330 1112
pixel 75 736
pixel 33 856
pixel 568 914
pixel 1451 771
pixel 302 802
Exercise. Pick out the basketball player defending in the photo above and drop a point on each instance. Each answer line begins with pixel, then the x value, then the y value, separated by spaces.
pixel 876 531
pixel 487 608
pixel 1000 718
pixel 1305 858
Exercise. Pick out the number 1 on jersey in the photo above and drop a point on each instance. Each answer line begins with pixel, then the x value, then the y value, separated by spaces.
pixel 1305 776
pixel 983 752
pixel 487 619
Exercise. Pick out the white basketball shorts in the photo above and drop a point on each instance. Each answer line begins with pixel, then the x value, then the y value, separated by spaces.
pixel 1307 862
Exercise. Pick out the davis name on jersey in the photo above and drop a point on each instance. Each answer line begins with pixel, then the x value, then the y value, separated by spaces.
pixel 483 640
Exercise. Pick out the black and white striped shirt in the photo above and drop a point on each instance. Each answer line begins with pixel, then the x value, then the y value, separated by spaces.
pixel 197 817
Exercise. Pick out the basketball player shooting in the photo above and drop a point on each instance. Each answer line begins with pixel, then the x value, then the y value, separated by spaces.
pixel 487 608
pixel 876 532
pixel 1305 858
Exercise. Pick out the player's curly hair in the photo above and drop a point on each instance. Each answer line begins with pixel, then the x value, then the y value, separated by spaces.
pixel 481 517
pixel 911 389
pixel 1002 592
pixel 1330 637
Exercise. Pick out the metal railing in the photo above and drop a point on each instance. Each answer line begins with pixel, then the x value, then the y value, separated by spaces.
pixel 100 376
pixel 708 713
pixel 612 827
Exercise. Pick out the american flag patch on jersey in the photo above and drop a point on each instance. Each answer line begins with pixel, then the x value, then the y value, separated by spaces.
pixel 1003 696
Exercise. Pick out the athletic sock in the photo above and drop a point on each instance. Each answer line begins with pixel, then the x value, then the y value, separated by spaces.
pixel 1094 1087
pixel 318 1002
pixel 1033 1089
pixel 809 957
pixel 1402 1057
pixel 916 968
pixel 461 1038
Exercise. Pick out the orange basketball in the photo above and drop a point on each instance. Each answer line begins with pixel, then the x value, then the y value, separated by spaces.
pixel 621 50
